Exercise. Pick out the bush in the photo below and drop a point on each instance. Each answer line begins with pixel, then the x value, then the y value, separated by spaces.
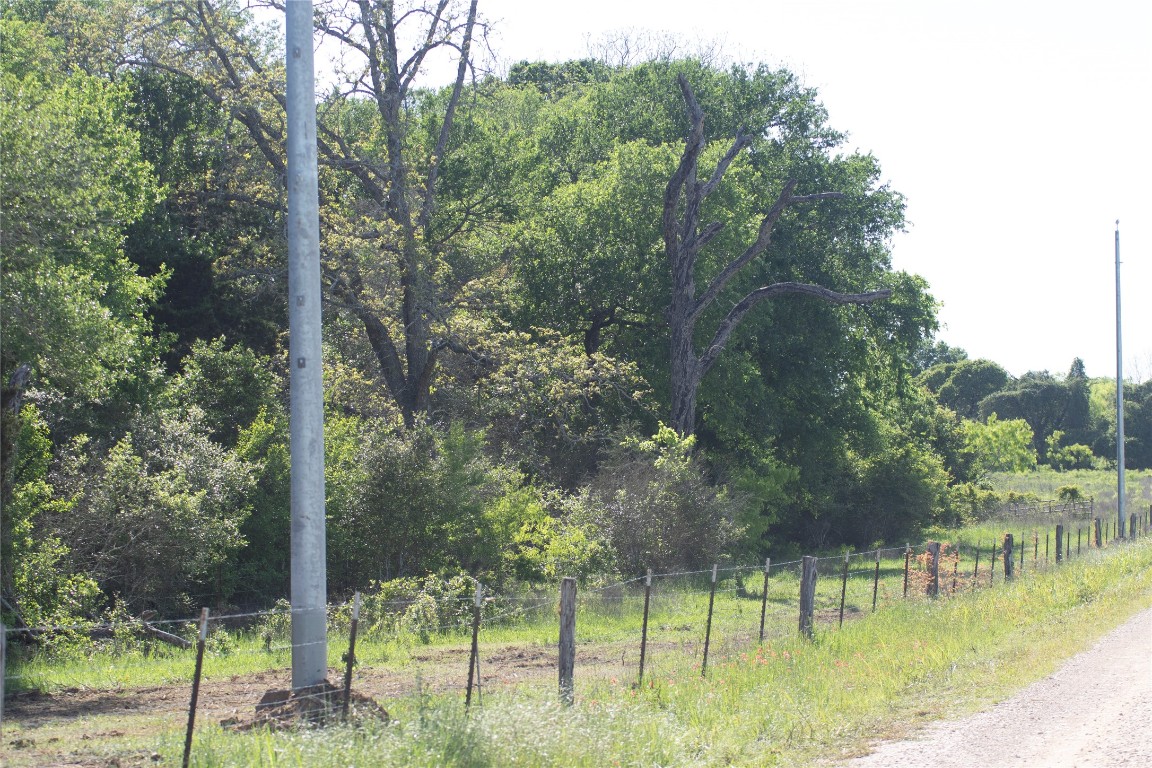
pixel 974 503
pixel 652 503
pixel 422 606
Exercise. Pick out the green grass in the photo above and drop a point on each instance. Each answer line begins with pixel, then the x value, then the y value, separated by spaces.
pixel 787 702
pixel 1097 483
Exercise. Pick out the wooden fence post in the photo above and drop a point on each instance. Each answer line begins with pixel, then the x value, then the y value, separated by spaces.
pixel 1098 537
pixel 567 638
pixel 955 569
pixel 876 581
pixel 807 594
pixel 708 628
pixel 195 685
pixel 934 572
pixel 992 563
pixel 352 655
pixel 976 568
pixel 1059 542
pixel 3 670
pixel 1046 536
pixel 644 625
pixel 907 558
pixel 474 654
pixel 843 588
pixel 764 597
pixel 1008 563
pixel 1079 531
pixel 1023 547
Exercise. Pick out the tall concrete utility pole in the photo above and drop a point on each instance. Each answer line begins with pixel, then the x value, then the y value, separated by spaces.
pixel 1121 514
pixel 309 582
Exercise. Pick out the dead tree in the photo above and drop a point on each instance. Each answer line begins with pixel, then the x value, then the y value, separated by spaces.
pixel 685 236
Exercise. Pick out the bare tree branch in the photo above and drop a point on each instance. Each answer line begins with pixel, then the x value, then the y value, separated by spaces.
pixel 737 313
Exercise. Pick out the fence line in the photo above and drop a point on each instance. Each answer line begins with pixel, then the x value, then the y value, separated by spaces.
pixel 882 571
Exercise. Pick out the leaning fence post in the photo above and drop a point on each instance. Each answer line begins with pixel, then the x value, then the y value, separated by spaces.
pixel 976 568
pixel 196 685
pixel 3 672
pixel 1059 542
pixel 1008 556
pixel 351 653
pixel 567 638
pixel 807 594
pixel 708 628
pixel 907 558
pixel 764 597
pixel 644 626
pixel 876 581
pixel 934 573
pixel 474 654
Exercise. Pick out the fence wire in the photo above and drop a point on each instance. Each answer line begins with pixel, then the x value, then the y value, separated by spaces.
pixel 749 604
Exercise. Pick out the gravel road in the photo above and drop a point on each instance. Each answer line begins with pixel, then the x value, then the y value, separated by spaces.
pixel 1092 713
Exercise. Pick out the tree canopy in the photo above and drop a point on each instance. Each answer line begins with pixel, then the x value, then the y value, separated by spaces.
pixel 586 315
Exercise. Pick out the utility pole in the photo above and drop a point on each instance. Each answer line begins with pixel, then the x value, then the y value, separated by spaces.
pixel 309 580
pixel 1121 517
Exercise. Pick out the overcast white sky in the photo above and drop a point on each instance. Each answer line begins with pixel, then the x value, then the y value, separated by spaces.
pixel 1017 130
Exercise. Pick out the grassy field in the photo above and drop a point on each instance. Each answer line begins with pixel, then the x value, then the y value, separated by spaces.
pixel 1099 484
pixel 784 702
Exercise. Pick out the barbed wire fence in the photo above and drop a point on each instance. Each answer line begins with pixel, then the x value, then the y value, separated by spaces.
pixel 682 620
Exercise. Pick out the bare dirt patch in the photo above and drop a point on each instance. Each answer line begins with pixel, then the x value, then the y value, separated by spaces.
pixel 80 727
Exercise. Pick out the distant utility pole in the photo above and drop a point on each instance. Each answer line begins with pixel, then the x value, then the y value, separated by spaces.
pixel 1121 516
pixel 309 581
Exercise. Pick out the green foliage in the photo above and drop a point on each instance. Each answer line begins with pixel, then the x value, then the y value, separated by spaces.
pixel 1078 417
pixel 962 385
pixel 423 606
pixel 231 385
pixel 261 568
pixel 1038 399
pixel 160 513
pixel 1000 446
pixel 416 502
pixel 548 406
pixel 932 354
pixel 39 577
pixel 495 319
pixel 1070 493
pixel 549 548
pixel 73 180
pixel 974 503
pixel 1065 457
pixel 653 504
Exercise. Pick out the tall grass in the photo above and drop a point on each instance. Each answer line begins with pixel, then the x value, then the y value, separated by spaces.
pixel 786 702
pixel 1044 482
